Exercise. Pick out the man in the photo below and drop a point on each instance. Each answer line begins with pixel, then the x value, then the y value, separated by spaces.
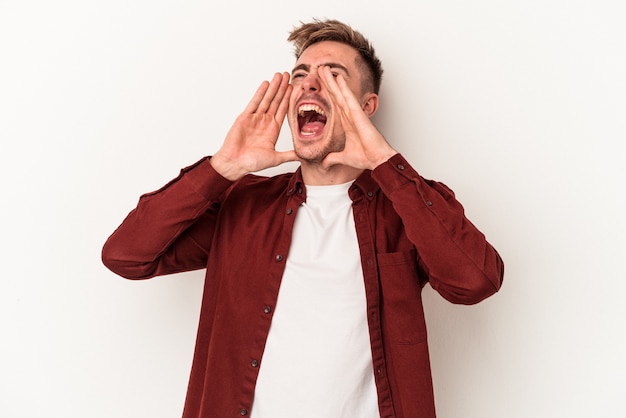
pixel 312 298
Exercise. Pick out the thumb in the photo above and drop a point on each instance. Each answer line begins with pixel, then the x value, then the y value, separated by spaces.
pixel 332 159
pixel 286 156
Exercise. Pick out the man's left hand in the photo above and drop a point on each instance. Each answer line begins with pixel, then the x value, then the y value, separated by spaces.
pixel 365 146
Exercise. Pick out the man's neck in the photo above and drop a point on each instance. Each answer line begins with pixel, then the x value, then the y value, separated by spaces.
pixel 314 175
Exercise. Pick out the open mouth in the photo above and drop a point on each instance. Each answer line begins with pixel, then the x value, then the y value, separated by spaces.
pixel 311 119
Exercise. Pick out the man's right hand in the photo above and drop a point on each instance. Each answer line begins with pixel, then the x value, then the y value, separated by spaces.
pixel 250 144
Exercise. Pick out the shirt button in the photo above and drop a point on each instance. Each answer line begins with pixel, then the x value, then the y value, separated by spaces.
pixel 429 203
pixel 289 211
pixel 370 194
pixel 400 167
pixel 243 412
pixel 254 363
pixel 267 309
pixel 279 257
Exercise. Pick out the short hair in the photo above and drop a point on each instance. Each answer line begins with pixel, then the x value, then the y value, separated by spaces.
pixel 308 34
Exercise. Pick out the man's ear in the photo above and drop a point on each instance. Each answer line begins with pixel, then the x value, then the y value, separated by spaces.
pixel 370 104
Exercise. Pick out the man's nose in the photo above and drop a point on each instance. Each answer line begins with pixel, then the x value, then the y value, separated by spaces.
pixel 311 82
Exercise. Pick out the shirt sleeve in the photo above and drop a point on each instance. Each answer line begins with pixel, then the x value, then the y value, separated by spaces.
pixel 459 262
pixel 171 229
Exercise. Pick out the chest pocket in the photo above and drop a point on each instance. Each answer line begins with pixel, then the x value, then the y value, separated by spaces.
pixel 402 312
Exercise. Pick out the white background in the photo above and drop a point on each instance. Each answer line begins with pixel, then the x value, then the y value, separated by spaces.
pixel 519 106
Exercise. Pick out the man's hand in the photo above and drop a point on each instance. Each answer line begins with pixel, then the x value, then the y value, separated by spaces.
pixel 365 147
pixel 250 144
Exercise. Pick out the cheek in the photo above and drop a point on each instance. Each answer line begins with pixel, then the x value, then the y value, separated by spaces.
pixel 292 120
pixel 293 98
pixel 291 111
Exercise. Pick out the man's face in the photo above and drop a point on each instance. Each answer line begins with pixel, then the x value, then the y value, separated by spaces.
pixel 314 120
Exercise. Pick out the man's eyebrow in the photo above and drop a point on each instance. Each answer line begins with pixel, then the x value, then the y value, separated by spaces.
pixel 307 67
pixel 300 67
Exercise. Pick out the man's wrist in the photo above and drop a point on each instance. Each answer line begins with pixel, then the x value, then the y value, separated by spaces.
pixel 384 158
pixel 225 169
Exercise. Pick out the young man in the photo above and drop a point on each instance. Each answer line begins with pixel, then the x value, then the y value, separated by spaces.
pixel 312 298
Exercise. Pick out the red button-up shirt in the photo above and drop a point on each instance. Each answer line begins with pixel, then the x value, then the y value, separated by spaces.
pixel 410 231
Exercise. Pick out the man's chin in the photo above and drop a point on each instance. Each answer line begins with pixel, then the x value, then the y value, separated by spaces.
pixel 311 157
pixel 314 149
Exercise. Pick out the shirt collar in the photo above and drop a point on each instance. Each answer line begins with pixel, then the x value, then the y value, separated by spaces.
pixel 364 185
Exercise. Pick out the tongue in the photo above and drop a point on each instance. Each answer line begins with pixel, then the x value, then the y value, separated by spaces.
pixel 312 127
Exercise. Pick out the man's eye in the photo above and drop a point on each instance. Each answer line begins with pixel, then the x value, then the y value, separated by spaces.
pixel 297 76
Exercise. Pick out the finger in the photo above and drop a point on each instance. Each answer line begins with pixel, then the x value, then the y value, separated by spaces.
pixel 283 107
pixel 347 93
pixel 330 83
pixel 339 90
pixel 257 98
pixel 280 96
pixel 270 94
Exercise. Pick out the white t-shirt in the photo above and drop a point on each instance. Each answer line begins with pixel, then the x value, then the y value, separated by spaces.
pixel 317 361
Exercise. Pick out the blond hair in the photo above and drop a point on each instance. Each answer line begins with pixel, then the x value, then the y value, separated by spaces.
pixel 308 34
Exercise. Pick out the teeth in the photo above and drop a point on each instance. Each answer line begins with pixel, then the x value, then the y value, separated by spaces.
pixel 310 107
